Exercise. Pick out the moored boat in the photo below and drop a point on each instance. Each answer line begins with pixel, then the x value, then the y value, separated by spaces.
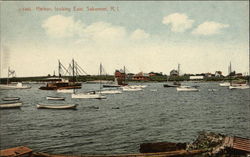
pixel 138 86
pixel 110 92
pixel 187 89
pixel 175 84
pixel 110 86
pixel 61 85
pixel 129 88
pixel 225 84
pixel 169 85
pixel 65 90
pixel 19 85
pixel 10 98
pixel 9 85
pixel 239 86
pixel 89 95
pixel 56 106
pixel 10 105
pixel 55 98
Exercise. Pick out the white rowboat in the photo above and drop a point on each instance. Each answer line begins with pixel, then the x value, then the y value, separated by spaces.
pixel 54 98
pixel 17 86
pixel 10 98
pixel 241 86
pixel 65 91
pixel 10 105
pixel 187 89
pixel 91 95
pixel 225 84
pixel 110 92
pixel 129 88
pixel 56 106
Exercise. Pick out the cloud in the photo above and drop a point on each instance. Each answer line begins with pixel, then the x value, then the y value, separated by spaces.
pixel 99 32
pixel 61 26
pixel 103 31
pixel 209 28
pixel 139 34
pixel 179 22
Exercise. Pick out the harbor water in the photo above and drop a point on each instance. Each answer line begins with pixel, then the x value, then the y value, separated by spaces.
pixel 120 123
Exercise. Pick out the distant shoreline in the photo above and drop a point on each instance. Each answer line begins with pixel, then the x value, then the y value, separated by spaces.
pixel 163 78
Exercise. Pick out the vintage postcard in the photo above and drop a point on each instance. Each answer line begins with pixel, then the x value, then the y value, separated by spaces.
pixel 167 78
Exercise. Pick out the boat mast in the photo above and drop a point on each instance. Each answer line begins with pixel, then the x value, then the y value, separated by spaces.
pixel 230 72
pixel 100 75
pixel 124 74
pixel 73 71
pixel 8 75
pixel 59 69
pixel 179 69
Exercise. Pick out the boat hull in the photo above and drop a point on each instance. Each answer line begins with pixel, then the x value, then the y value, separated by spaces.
pixel 187 89
pixel 10 105
pixel 111 86
pixel 55 98
pixel 128 88
pixel 59 107
pixel 239 87
pixel 87 96
pixel 61 85
pixel 65 90
pixel 10 98
pixel 167 85
pixel 225 84
pixel 110 92
pixel 14 87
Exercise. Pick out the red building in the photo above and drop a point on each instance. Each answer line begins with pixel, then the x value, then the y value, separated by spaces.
pixel 141 77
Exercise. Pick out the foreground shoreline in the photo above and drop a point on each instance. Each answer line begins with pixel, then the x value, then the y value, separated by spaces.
pixel 206 144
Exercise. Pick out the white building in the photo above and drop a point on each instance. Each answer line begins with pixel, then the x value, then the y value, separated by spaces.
pixel 196 77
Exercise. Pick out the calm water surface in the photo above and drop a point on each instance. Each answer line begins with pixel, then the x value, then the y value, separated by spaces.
pixel 143 116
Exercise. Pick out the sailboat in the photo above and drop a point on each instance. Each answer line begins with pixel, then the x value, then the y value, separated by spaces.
pixel 87 95
pixel 19 85
pixel 107 91
pixel 237 84
pixel 63 84
pixel 227 84
pixel 112 85
pixel 124 86
pixel 175 83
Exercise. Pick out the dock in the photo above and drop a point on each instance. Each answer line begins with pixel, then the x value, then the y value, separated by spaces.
pixel 238 143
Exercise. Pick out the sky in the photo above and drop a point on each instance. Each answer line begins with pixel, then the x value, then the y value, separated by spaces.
pixel 144 36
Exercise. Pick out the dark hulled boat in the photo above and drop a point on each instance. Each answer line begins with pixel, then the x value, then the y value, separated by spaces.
pixel 175 84
pixel 61 85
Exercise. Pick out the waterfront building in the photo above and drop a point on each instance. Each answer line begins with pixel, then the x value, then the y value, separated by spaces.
pixel 141 77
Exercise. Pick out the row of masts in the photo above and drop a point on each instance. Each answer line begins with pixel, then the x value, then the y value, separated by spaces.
pixel 73 69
